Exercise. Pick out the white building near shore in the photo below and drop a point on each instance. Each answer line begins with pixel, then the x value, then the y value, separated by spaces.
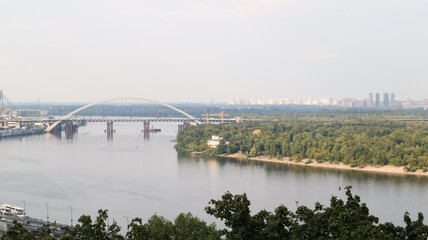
pixel 214 141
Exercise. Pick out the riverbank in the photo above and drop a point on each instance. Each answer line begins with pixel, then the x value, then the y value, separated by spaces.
pixel 378 169
pixel 17 132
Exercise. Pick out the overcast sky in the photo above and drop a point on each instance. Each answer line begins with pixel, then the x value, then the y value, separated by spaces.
pixel 195 51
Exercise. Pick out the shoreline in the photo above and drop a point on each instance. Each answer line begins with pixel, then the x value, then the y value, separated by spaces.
pixel 340 166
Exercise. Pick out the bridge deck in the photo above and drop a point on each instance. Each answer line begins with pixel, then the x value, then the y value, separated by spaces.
pixel 127 119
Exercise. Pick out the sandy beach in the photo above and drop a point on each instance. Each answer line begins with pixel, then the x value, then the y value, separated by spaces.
pixel 341 166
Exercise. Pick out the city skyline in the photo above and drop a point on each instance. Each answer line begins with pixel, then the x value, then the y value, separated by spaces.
pixel 374 100
pixel 191 51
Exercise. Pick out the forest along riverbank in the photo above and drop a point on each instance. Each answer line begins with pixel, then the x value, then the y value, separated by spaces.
pixel 285 160
pixel 357 144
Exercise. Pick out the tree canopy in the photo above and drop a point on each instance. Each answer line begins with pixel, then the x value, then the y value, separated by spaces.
pixel 356 143
pixel 341 219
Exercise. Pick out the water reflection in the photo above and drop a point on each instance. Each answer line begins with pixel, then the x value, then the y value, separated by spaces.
pixel 110 136
pixel 359 176
pixel 387 195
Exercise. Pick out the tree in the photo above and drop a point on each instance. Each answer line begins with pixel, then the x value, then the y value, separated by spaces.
pixel 97 230
pixel 221 148
pixel 416 230
pixel 46 233
pixel 329 222
pixel 18 232
pixel 235 212
pixel 188 227
pixel 159 228
pixel 137 230
pixel 280 225
pixel 356 143
pixel 253 152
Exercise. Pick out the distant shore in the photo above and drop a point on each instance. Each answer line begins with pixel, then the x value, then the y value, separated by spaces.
pixel 378 169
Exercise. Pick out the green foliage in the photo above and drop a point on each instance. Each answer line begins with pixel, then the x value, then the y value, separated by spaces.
pixel 185 226
pixel 341 220
pixel 354 164
pixel 157 227
pixel 18 233
pixel 136 230
pixel 329 221
pixel 46 233
pixel 97 230
pixel 188 227
pixel 348 219
pixel 253 152
pixel 356 143
pixel 235 212
pixel 221 148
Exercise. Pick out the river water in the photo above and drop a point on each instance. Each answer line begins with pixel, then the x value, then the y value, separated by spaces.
pixel 136 177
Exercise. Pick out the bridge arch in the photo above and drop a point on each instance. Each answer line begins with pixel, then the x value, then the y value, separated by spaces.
pixel 68 116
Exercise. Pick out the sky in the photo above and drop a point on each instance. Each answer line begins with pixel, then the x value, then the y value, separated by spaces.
pixel 212 50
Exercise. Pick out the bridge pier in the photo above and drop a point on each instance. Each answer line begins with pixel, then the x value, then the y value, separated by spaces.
pixel 69 129
pixel 146 127
pixel 110 130
pixel 146 130
pixel 56 130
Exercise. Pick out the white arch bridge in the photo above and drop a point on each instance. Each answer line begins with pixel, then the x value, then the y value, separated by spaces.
pixel 70 117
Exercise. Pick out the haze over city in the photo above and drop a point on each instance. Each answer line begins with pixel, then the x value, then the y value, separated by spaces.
pixel 195 51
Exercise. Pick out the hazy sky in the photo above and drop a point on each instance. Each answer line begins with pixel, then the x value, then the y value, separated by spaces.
pixel 195 51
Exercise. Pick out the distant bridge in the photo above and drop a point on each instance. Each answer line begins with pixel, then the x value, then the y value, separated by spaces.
pixel 68 116
pixel 129 119
pixel 71 124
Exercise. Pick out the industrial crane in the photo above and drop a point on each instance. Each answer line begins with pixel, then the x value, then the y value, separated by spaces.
pixel 214 114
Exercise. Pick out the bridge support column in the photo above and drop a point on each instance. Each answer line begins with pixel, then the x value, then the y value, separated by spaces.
pixel 146 130
pixel 56 130
pixel 110 130
pixel 69 129
pixel 146 127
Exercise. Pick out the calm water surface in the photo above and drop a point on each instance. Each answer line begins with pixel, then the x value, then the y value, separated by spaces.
pixel 132 176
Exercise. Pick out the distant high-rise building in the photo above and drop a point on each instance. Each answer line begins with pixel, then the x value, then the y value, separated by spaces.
pixel 370 100
pixel 386 100
pixel 392 103
pixel 377 101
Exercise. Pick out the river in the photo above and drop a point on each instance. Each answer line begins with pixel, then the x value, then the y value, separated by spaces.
pixel 136 177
